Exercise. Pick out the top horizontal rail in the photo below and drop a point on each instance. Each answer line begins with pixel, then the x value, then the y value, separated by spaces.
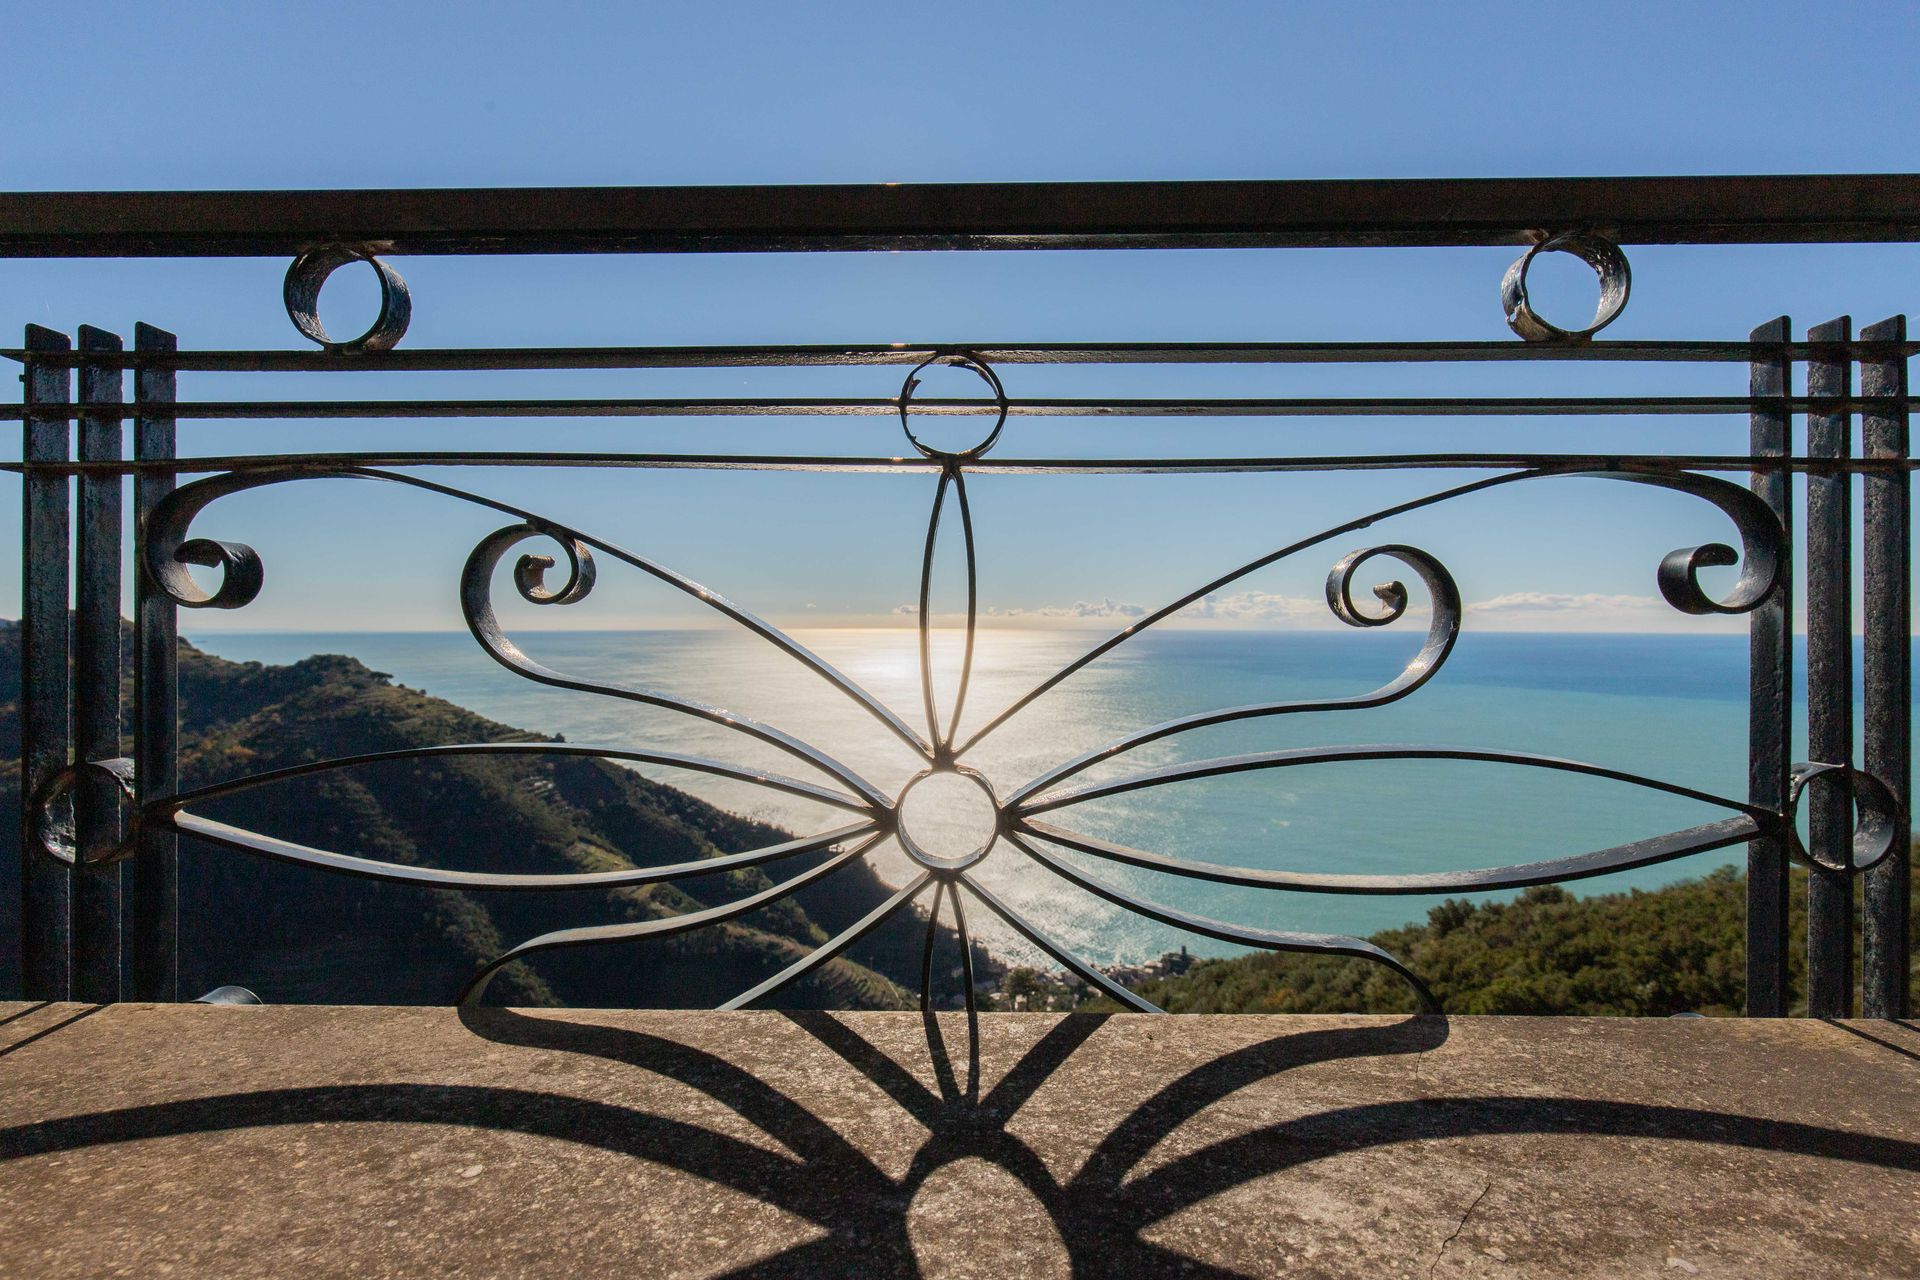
pixel 898 353
pixel 1778 209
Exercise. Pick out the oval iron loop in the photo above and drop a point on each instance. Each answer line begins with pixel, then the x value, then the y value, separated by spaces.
pixel 593 935
pixel 1294 757
pixel 370 869
pixel 832 947
pixel 167 548
pixel 476 606
pixel 966 967
pixel 1600 862
pixel 926 948
pixel 1266 939
pixel 666 759
pixel 1026 929
pixel 950 476
pixel 1677 577
pixel 1443 629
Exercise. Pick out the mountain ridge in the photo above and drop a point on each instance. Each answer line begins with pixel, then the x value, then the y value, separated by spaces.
pixel 298 934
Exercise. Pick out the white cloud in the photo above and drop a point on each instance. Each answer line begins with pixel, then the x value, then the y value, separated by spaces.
pixel 1240 608
pixel 1243 607
pixel 1255 606
pixel 1108 608
pixel 1587 611
pixel 1513 611
pixel 1557 602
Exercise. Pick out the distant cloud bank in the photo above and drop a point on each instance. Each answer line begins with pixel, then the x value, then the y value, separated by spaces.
pixel 1513 611
pixel 1554 601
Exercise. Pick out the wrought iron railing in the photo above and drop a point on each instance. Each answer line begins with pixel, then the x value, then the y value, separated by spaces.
pixel 91 814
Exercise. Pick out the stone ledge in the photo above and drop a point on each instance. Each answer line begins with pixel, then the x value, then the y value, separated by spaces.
pixel 193 1140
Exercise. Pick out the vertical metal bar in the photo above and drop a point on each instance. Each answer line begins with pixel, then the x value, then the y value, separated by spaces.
pixel 46 887
pixel 96 683
pixel 1887 525
pixel 1830 676
pixel 1770 694
pixel 153 960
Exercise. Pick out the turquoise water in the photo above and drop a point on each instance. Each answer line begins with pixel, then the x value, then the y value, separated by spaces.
pixel 1669 707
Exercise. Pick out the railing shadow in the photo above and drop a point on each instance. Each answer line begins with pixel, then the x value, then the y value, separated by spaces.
pixel 1099 1212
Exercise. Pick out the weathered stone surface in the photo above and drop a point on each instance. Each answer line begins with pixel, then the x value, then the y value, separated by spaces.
pixel 191 1140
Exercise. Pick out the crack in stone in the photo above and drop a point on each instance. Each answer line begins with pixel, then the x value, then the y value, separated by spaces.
pixel 1458 1228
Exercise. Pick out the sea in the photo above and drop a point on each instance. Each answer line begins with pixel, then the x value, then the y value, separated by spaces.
pixel 1673 708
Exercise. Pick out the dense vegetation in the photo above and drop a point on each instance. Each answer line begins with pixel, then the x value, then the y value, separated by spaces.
pixel 295 934
pixel 1679 949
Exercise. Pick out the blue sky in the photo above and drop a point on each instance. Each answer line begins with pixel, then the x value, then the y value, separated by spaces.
pixel 200 96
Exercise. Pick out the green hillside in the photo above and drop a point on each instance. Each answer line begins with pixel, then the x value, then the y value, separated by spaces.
pixel 1678 949
pixel 295 934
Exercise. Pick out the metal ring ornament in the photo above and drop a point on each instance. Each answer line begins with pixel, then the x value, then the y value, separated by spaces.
pixel 56 836
pixel 1879 822
pixel 932 861
pixel 308 275
pixel 960 360
pixel 1604 256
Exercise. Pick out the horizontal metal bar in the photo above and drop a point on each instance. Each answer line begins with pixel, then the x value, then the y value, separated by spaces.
pixel 898 353
pixel 1074 407
pixel 1782 209
pixel 915 465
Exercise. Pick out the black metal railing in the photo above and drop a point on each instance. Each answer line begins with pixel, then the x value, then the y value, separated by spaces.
pixel 90 814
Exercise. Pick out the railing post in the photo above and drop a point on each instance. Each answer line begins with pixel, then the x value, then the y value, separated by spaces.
pixel 1770 694
pixel 96 682
pixel 46 887
pixel 1830 674
pixel 154 961
pixel 1885 520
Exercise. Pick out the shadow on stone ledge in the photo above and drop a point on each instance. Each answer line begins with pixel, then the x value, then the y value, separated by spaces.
pixel 866 1218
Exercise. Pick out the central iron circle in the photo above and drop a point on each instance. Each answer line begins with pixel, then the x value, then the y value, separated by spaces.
pixel 948 818
pixel 982 370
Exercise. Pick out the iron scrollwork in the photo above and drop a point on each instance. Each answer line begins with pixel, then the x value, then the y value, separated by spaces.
pixel 1019 824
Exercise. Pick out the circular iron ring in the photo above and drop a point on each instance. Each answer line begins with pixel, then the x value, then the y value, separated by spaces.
pixel 960 360
pixel 927 858
pixel 1608 263
pixel 309 273
pixel 55 834
pixel 1879 822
